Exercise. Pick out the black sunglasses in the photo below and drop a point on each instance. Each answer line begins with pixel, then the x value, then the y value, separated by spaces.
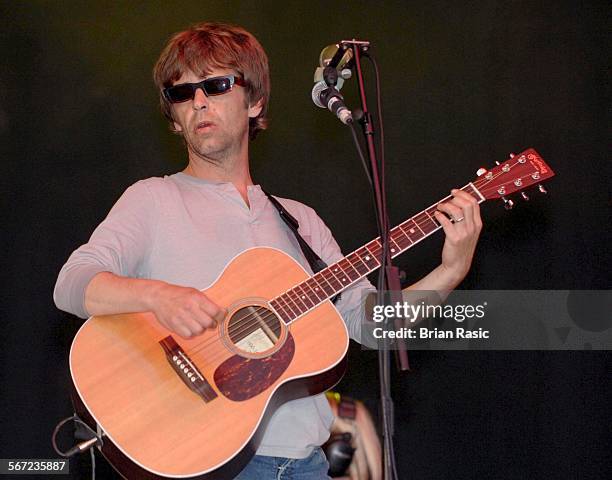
pixel 210 86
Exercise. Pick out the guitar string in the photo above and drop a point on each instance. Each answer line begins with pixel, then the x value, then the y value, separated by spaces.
pixel 245 323
pixel 268 318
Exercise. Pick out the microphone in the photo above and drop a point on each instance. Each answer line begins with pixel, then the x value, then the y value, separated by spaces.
pixel 329 77
pixel 330 98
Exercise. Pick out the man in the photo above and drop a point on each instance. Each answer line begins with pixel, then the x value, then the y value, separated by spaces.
pixel 167 238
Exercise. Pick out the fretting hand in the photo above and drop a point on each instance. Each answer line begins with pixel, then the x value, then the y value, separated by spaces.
pixel 461 233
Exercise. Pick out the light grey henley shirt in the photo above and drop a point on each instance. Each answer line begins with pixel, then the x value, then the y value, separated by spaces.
pixel 184 230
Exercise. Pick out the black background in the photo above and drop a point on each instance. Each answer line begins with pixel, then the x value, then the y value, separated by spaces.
pixel 463 85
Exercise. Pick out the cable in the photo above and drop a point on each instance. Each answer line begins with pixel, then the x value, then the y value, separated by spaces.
pixel 360 152
pixel 88 444
pixel 93 464
pixel 376 177
pixel 384 357
pixel 379 114
pixel 55 432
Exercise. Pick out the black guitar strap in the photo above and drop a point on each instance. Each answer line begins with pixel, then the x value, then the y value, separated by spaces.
pixel 313 259
pixel 315 262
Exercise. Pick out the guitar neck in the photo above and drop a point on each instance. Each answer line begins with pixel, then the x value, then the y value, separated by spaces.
pixel 337 277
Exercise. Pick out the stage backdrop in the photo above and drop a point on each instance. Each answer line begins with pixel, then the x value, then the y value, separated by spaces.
pixel 463 84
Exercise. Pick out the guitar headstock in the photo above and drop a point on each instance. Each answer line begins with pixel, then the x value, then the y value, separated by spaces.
pixel 516 174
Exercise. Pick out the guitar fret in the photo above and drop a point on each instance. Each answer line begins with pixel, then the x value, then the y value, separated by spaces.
pixel 276 305
pixel 327 286
pixel 333 280
pixel 469 189
pixel 282 306
pixel 401 238
pixel 394 247
pixel 401 227
pixel 417 224
pixel 368 259
pixel 414 232
pixel 378 251
pixel 285 298
pixel 348 269
pixel 425 223
pixel 399 234
pixel 290 305
pixel 430 212
pixel 304 297
pixel 358 264
pixel 300 307
pixel 375 249
pixel 316 289
pixel 296 306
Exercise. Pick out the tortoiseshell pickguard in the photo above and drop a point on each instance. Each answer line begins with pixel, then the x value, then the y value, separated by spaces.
pixel 240 378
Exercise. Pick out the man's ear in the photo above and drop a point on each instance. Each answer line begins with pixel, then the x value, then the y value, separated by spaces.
pixel 255 109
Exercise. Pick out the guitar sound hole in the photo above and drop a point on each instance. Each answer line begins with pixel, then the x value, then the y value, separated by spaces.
pixel 254 329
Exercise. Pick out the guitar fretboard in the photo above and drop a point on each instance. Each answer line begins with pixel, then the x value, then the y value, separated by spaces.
pixel 337 277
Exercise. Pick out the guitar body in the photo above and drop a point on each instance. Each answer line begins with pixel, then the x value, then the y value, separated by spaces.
pixel 132 376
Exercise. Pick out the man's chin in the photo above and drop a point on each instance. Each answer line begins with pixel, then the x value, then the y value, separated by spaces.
pixel 208 154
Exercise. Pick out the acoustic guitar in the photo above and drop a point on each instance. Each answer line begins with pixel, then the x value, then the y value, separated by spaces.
pixel 166 407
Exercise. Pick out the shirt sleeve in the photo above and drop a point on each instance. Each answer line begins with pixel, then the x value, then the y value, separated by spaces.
pixel 120 245
pixel 351 304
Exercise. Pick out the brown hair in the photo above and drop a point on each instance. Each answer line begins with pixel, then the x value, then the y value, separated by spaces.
pixel 209 45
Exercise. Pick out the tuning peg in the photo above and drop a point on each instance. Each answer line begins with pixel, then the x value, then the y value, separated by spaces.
pixel 511 155
pixel 542 189
pixel 508 204
pixel 496 162
pixel 525 196
pixel 481 171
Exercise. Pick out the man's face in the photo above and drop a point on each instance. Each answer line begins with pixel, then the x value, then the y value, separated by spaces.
pixel 214 127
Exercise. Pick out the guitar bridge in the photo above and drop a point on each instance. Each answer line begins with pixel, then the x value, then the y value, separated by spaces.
pixel 186 369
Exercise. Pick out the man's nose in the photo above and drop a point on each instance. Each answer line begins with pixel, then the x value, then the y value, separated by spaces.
pixel 200 100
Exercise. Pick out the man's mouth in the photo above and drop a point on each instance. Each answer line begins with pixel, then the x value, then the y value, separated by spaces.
pixel 204 126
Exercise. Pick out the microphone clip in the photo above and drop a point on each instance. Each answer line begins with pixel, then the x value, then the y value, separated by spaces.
pixel 330 76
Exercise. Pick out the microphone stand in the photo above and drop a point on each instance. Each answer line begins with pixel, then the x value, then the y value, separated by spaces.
pixel 391 281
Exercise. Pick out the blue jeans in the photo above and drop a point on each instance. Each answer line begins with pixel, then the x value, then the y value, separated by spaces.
pixel 313 467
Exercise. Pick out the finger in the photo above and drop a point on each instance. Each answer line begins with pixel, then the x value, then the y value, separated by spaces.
pixel 469 204
pixel 477 217
pixel 466 202
pixel 457 193
pixel 190 316
pixel 447 225
pixel 185 329
pixel 205 319
pixel 174 323
pixel 452 210
pixel 467 210
pixel 192 323
pixel 213 312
